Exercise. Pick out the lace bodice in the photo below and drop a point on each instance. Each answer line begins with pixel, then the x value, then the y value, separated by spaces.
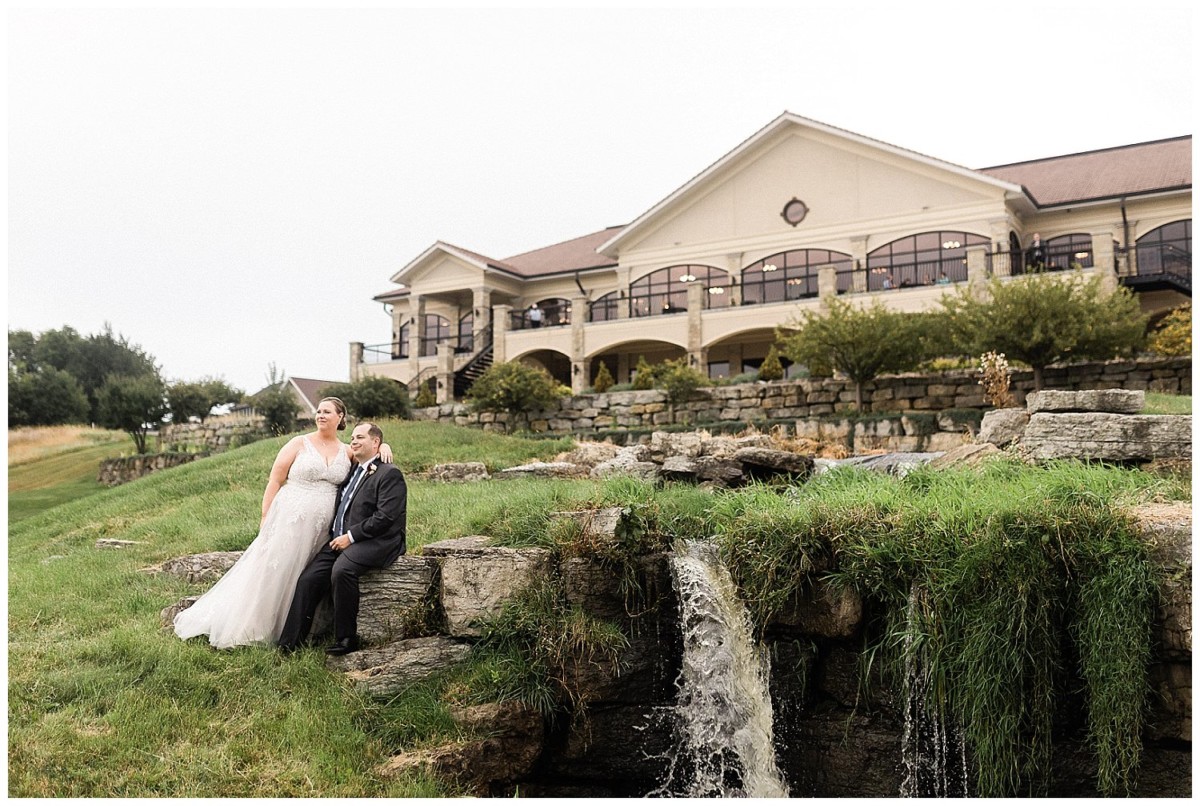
pixel 309 467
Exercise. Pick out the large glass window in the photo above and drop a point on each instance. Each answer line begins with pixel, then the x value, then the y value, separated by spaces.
pixel 1167 249
pixel 604 309
pixel 791 275
pixel 400 348
pixel 549 312
pixel 466 333
pixel 436 329
pixel 1069 251
pixel 927 258
pixel 665 291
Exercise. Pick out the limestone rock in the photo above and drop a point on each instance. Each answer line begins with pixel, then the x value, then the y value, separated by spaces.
pixel 589 453
pixel 515 741
pixel 387 670
pixel 823 612
pixel 597 524
pixel 1115 401
pixel 1108 437
pixel 113 543
pixel 969 455
pixel 1003 427
pixel 459 472
pixel 477 579
pixel 167 615
pixel 664 444
pixel 393 597
pixel 761 462
pixel 208 567
pixel 1167 528
pixel 722 472
pixel 1171 702
pixel 629 461
pixel 552 470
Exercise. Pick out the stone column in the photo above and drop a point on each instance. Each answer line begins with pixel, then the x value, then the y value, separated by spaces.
pixel 579 363
pixel 445 372
pixel 356 360
pixel 734 264
pixel 977 268
pixel 481 325
pixel 827 283
pixel 1104 259
pixel 858 251
pixel 624 367
pixel 416 326
pixel 500 318
pixel 695 324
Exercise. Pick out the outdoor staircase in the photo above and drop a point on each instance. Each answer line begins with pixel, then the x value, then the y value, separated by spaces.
pixel 470 371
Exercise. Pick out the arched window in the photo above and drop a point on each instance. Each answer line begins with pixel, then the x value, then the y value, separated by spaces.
pixel 791 275
pixel 466 333
pixel 1069 251
pixel 436 329
pixel 665 291
pixel 400 348
pixel 1167 249
pixel 604 309
pixel 923 259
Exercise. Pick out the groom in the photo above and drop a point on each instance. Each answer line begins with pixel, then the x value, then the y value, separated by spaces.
pixel 367 532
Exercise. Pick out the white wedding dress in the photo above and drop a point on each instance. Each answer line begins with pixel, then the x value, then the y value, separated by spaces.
pixel 250 603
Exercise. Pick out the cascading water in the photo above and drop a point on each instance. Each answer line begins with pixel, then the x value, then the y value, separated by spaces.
pixel 932 750
pixel 723 705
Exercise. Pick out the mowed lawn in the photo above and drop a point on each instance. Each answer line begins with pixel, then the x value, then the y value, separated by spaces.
pixel 104 703
pixel 53 465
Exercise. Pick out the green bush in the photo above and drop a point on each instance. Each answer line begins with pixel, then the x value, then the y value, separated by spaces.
pixel 425 397
pixel 771 369
pixel 1173 336
pixel 604 379
pixel 515 388
pixel 643 377
pixel 371 397
pixel 678 380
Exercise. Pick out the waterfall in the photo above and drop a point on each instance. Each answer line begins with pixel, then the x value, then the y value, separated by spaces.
pixel 723 705
pixel 932 750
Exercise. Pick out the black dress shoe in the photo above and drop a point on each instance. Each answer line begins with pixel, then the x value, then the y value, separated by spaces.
pixel 343 646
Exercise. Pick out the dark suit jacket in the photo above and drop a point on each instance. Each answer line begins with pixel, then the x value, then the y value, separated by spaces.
pixel 377 516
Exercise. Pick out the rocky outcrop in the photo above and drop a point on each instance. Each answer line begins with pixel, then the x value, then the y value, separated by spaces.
pixel 384 671
pixel 1108 437
pixel 969 455
pixel 1112 401
pixel 1003 427
pixel 477 579
pixel 459 472
pixel 208 567
pixel 396 599
pixel 550 470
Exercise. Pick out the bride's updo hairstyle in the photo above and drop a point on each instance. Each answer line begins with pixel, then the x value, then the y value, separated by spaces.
pixel 339 407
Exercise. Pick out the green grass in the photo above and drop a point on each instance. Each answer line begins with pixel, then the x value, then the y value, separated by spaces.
pixel 102 703
pixel 1161 403
pixel 60 474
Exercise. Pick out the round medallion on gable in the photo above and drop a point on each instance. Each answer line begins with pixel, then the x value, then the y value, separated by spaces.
pixel 794 211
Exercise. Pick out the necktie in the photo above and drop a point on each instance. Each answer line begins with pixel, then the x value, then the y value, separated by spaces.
pixel 347 494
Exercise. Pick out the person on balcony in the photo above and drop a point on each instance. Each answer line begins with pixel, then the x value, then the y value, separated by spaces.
pixel 535 315
pixel 1035 255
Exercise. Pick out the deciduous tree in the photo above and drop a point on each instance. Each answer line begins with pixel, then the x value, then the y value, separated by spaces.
pixel 134 404
pixel 371 397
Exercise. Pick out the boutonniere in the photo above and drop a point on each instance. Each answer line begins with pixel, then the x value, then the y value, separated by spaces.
pixel 371 468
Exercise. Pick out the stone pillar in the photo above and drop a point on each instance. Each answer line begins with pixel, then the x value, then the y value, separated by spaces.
pixel 482 323
pixel 695 324
pixel 736 355
pixel 624 367
pixel 445 372
pixel 733 263
pixel 356 360
pixel 827 283
pixel 416 327
pixel 858 251
pixel 501 316
pixel 579 363
pixel 1104 259
pixel 977 268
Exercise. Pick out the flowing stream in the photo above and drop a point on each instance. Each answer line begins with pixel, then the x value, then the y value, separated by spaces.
pixel 726 745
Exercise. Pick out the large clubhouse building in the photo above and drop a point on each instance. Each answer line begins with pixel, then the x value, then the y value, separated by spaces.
pixel 799 211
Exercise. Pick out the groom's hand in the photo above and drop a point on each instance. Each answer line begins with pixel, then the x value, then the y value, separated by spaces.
pixel 340 542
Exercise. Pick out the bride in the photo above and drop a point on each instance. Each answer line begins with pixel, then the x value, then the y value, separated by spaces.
pixel 250 603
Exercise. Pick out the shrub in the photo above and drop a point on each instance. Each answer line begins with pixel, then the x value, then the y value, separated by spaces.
pixel 515 388
pixel 45 397
pixel 678 380
pixel 425 397
pixel 643 377
pixel 771 369
pixel 1173 336
pixel 277 405
pixel 371 397
pixel 604 379
pixel 134 404
pixel 994 378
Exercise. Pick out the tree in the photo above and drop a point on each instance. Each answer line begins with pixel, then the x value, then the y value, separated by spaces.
pixel 277 404
pixel 603 380
pixel 860 342
pixel 425 397
pixel 1044 318
pixel 514 387
pixel 189 399
pixel 45 397
pixel 1173 336
pixel 132 403
pixel 771 369
pixel 679 380
pixel 371 397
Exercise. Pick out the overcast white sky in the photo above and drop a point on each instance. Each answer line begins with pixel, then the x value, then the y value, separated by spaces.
pixel 230 188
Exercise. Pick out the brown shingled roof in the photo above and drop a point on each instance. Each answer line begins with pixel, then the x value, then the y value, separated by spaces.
pixel 1105 174
pixel 575 254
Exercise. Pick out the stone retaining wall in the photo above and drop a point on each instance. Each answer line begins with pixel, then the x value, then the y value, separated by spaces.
pixel 213 435
pixel 128 468
pixel 766 404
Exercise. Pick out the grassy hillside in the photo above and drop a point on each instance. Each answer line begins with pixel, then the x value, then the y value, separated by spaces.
pixel 102 703
pixel 49 466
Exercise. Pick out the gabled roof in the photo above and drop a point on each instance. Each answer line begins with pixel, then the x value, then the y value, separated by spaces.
pixel 308 390
pixel 1108 173
pixel 787 119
